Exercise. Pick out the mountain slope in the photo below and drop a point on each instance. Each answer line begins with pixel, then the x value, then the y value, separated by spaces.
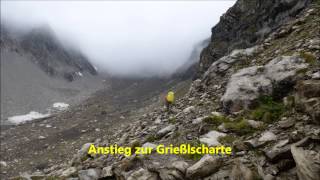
pixel 37 71
pixel 262 102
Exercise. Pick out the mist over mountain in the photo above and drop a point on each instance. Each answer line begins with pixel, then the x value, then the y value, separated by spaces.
pixel 141 39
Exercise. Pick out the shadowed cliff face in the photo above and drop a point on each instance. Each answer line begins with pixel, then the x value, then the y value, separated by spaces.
pixel 245 24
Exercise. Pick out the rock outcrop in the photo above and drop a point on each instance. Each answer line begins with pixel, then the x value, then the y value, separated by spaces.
pixel 245 24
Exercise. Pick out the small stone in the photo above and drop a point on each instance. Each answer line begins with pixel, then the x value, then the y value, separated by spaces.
pixel 189 109
pixel 41 137
pixel 106 172
pixel 255 124
pixel 149 145
pixel 211 138
pixel 69 172
pixel 166 130
pixel 287 123
pixel 267 136
pixel 205 166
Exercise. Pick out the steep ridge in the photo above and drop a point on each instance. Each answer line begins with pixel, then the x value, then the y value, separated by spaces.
pixel 262 101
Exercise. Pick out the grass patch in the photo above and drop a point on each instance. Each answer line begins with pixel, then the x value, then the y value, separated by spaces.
pixel 308 57
pixel 172 120
pixel 268 110
pixel 240 127
pixel 228 139
pixel 151 138
pixel 216 120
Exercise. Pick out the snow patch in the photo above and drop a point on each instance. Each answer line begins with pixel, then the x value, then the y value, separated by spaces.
pixel 60 106
pixel 80 74
pixel 32 115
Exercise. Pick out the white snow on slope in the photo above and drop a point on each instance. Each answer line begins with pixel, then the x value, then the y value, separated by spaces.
pixel 27 117
pixel 60 106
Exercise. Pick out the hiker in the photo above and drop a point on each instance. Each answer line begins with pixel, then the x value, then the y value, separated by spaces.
pixel 169 99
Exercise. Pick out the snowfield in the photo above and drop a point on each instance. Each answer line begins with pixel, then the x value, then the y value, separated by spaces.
pixel 27 117
pixel 61 106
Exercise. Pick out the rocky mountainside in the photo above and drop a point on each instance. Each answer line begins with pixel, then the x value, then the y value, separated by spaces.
pixel 262 100
pixel 48 53
pixel 37 71
pixel 246 24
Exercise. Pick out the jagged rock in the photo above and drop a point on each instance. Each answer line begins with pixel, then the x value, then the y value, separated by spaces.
pixel 308 167
pixel 69 172
pixel 255 124
pixel 205 166
pixel 245 86
pixel 308 97
pixel 89 174
pixel 277 154
pixel 166 130
pixel 224 63
pixel 107 172
pixel 211 138
pixel 142 174
pixel 267 136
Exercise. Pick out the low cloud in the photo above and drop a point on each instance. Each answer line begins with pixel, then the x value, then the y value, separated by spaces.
pixel 130 38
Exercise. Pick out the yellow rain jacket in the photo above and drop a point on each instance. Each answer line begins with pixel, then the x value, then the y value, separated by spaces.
pixel 170 97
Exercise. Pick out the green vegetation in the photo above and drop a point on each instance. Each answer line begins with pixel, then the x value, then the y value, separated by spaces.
pixel 228 139
pixel 240 127
pixel 308 57
pixel 151 138
pixel 268 110
pixel 216 120
pixel 172 120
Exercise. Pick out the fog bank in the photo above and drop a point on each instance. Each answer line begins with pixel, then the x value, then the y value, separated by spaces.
pixel 128 38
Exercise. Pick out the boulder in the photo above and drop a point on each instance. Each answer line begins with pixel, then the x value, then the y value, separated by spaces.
pixel 204 167
pixel 211 138
pixel 89 174
pixel 248 84
pixel 267 136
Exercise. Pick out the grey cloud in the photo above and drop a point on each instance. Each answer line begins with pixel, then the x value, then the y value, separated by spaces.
pixel 125 37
